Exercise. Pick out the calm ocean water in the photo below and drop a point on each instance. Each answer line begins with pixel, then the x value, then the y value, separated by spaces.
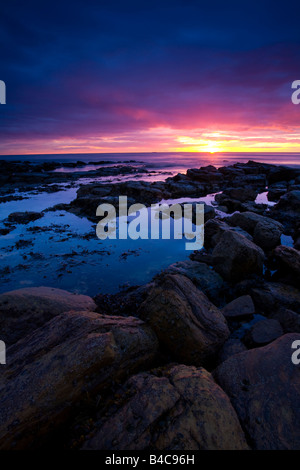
pixel 62 250
pixel 175 161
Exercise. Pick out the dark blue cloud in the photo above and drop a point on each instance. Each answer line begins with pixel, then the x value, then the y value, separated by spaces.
pixel 75 66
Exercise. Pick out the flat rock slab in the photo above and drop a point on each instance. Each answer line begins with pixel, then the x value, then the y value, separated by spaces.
pixel 70 358
pixel 289 258
pixel 231 347
pixel 202 275
pixel 239 309
pixel 235 257
pixel 271 296
pixel 24 217
pixel 214 229
pixel 263 332
pixel 24 310
pixel 178 407
pixel 264 387
pixel 289 320
pixel 266 231
pixel 187 324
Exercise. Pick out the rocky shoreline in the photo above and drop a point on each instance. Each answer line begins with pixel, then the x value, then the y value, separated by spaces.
pixel 26 176
pixel 198 358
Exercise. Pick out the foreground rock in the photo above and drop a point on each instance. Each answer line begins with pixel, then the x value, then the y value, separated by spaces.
pixel 239 309
pixel 185 321
pixel 124 303
pixel 75 355
pixel 90 196
pixel 235 257
pixel 245 220
pixel 271 296
pixel 266 232
pixel 289 202
pixel 282 174
pixel 289 320
pixel 276 190
pixel 244 194
pixel 30 175
pixel 182 186
pixel 287 210
pixel 230 348
pixel 24 310
pixel 296 236
pixel 264 387
pixel 24 217
pixel 214 229
pixel 205 278
pixel 289 259
pixel 263 332
pixel 177 408
pixel 239 198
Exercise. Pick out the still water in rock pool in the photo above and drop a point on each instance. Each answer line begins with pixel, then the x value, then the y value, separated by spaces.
pixel 62 250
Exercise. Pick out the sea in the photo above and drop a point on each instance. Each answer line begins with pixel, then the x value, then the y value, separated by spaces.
pixel 176 161
pixel 62 250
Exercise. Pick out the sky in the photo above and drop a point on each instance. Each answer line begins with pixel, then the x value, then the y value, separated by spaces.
pixel 138 76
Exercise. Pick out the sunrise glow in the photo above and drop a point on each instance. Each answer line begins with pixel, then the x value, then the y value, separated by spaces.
pixel 171 86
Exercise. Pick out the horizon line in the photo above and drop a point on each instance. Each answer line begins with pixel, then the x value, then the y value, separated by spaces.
pixel 154 152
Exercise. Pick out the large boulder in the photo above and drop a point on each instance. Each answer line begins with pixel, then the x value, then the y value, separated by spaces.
pixel 214 229
pixel 239 309
pixel 276 191
pixel 296 236
pixel 177 408
pixel 75 355
pixel 90 196
pixel 270 296
pixel 264 387
pixel 289 202
pixel 237 199
pixel 24 217
pixel 263 332
pixel 208 174
pixel 243 194
pixel 203 276
pixel 256 181
pixel 288 258
pixel 235 257
pixel 289 320
pixel 230 348
pixel 24 310
pixel 287 210
pixel 267 234
pixel 231 205
pixel 282 174
pixel 182 186
pixel 124 303
pixel 246 220
pixel 266 231
pixel 185 321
